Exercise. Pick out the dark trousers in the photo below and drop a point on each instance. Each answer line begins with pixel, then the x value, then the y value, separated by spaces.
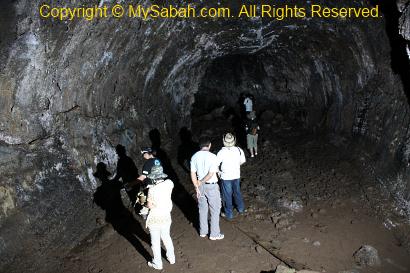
pixel 232 188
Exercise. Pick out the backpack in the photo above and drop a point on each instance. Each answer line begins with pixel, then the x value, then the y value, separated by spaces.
pixel 253 128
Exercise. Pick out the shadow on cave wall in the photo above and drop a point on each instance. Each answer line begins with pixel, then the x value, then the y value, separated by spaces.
pixel 108 197
pixel 180 196
pixel 186 148
pixel 127 171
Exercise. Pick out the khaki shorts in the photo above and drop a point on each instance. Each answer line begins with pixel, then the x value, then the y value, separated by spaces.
pixel 252 141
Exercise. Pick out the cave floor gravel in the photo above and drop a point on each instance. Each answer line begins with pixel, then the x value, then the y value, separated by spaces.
pixel 308 203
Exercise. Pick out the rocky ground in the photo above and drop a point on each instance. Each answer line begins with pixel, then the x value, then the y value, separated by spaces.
pixel 310 206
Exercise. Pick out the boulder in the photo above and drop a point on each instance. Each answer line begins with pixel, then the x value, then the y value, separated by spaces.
pixel 367 255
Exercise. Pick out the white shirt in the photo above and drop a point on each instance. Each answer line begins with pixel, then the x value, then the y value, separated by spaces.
pixel 160 198
pixel 231 159
pixel 248 104
pixel 202 163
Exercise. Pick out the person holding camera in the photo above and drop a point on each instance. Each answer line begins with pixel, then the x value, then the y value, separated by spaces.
pixel 159 216
pixel 151 161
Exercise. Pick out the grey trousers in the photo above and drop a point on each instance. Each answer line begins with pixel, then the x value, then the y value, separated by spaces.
pixel 210 199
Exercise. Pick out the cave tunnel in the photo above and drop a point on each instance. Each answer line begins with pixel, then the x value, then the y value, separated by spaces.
pixel 328 190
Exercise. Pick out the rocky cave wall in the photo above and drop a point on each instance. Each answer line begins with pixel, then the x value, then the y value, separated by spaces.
pixel 70 91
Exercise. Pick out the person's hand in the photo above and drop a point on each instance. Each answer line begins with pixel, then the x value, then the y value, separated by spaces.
pixel 150 205
pixel 198 192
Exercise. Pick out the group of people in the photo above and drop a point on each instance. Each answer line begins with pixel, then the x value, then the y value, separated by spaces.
pixel 206 170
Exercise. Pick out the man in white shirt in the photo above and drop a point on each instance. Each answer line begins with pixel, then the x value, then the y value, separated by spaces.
pixel 231 158
pixel 159 217
pixel 204 166
pixel 248 104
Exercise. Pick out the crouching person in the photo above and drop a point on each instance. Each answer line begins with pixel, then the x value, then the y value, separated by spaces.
pixel 159 217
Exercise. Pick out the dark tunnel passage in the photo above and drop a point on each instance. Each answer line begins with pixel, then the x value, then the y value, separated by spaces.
pixel 303 102
pixel 316 144
pixel 331 175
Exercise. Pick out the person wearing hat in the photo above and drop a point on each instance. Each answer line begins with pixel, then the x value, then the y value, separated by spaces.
pixel 252 129
pixel 149 155
pixel 159 217
pixel 230 158
pixel 150 161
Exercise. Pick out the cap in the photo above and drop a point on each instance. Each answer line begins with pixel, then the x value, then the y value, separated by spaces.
pixel 146 150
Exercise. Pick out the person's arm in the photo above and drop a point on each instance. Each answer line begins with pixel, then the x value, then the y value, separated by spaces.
pixel 195 180
pixel 242 155
pixel 141 177
pixel 219 158
pixel 207 177
pixel 196 183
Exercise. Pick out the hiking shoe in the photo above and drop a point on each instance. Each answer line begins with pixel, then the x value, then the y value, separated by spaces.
pixel 154 266
pixel 219 237
pixel 226 218
pixel 243 212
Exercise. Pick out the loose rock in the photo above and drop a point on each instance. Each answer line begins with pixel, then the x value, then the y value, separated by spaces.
pixel 314 215
pixel 282 223
pixel 367 255
pixel 259 249
pixel 284 269
pixel 316 243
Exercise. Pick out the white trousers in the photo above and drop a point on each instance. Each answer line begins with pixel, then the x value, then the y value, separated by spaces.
pixel 158 233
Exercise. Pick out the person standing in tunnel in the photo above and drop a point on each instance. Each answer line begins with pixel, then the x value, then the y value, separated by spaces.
pixel 230 158
pixel 252 129
pixel 204 166
pixel 149 155
pixel 248 103
pixel 159 218
pixel 151 161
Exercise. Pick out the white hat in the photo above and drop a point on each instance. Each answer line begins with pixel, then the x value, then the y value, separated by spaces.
pixel 229 140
